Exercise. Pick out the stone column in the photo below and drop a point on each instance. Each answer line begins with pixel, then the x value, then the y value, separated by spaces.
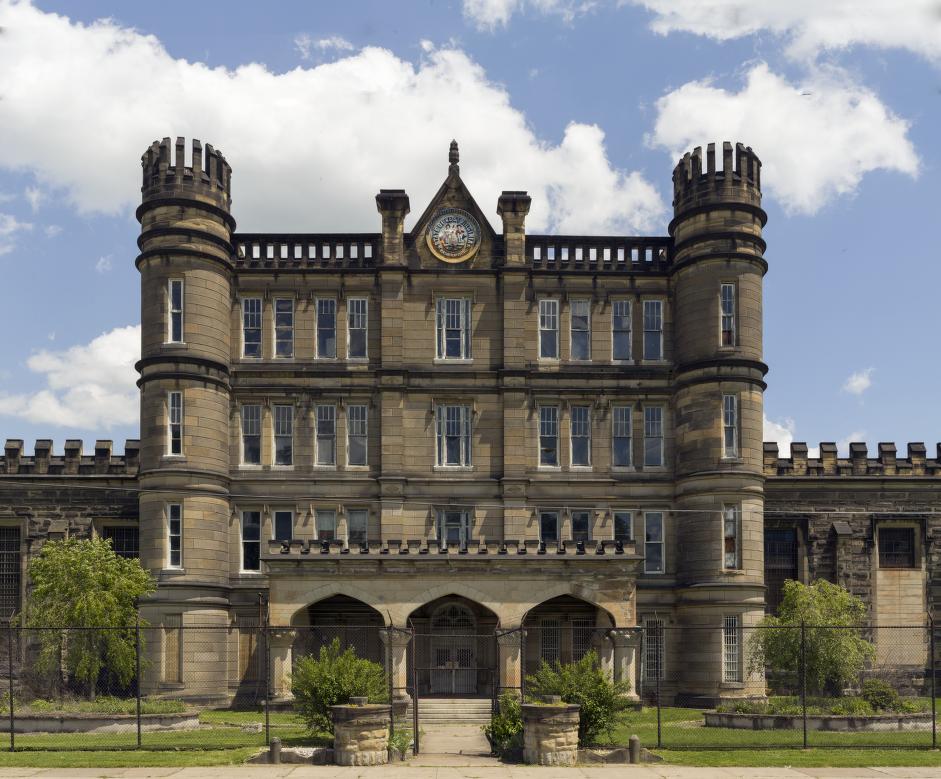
pixel 625 658
pixel 605 651
pixel 279 653
pixel 510 643
pixel 396 641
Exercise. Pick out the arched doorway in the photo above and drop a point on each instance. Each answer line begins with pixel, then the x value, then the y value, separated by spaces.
pixel 564 629
pixel 349 621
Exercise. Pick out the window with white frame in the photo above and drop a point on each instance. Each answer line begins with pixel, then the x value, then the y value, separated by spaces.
pixel 653 542
pixel 550 640
pixel 727 316
pixel 284 435
pixel 251 327
pixel 549 526
pixel 175 320
pixel 581 525
pixel 454 527
pixel 621 330
pixel 623 526
pixel 175 423
pixel 357 523
pixel 283 526
pixel 621 456
pixel 283 327
pixel 251 434
pixel 326 435
pixel 326 524
pixel 453 325
pixel 356 435
pixel 580 329
pixel 453 425
pixel 326 328
pixel 654 641
pixel 548 329
pixel 729 426
pixel 174 535
pixel 731 525
pixel 653 329
pixel 357 320
pixel 549 436
pixel 731 649
pixel 251 540
pixel 653 436
pixel 581 436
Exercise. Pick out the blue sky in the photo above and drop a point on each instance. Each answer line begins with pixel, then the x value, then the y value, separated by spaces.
pixel 585 104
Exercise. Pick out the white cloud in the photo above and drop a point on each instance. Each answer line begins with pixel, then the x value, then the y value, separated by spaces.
pixel 317 144
pixel 104 264
pixel 491 14
pixel 88 386
pixel 34 196
pixel 858 382
pixel 52 231
pixel 305 45
pixel 816 139
pixel 808 27
pixel 782 433
pixel 9 227
pixel 843 445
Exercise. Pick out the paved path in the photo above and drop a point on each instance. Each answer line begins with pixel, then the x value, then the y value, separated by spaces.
pixel 455 745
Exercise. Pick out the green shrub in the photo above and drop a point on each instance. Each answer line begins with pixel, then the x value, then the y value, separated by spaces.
pixel 852 706
pixel 107 704
pixel 505 731
pixel 331 678
pixel 401 740
pixel 881 695
pixel 586 683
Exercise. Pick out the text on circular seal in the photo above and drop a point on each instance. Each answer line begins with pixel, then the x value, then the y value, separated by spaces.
pixel 453 235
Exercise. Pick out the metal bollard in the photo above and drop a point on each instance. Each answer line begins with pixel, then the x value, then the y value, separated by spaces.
pixel 274 751
pixel 633 749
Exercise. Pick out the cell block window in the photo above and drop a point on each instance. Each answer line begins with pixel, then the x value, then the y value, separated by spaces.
pixel 174 535
pixel 251 540
pixel 549 527
pixel 357 522
pixel 727 323
pixel 729 426
pixel 284 327
pixel 251 435
pixel 354 251
pixel 897 547
pixel 357 313
pixel 125 540
pixel 653 542
pixel 453 324
pixel 326 435
pixel 731 525
pixel 454 527
pixel 581 525
pixel 454 435
pixel 621 436
pixel 581 436
pixel 175 422
pixel 283 525
pixel 251 327
pixel 549 436
pixel 623 526
pixel 549 329
pixel 550 640
pixel 653 436
pixel 356 432
pixel 326 328
pixel 175 331
pixel 581 329
pixel 550 254
pixel 731 650
pixel 284 435
pixel 654 641
pixel 653 329
pixel 621 330
pixel 326 525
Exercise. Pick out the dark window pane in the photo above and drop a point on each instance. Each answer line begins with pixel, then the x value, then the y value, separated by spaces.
pixel 622 451
pixel 357 343
pixel 581 524
pixel 896 547
pixel 549 526
pixel 357 453
pixel 580 451
pixel 124 541
pixel 252 449
pixel 580 349
pixel 283 525
pixel 622 526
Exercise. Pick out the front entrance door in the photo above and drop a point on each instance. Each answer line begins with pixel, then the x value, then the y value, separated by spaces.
pixel 453 651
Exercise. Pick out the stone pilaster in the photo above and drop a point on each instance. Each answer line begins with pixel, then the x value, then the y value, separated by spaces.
pixel 281 643
pixel 396 641
pixel 626 643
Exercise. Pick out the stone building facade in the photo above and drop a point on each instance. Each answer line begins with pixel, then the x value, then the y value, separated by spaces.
pixel 468 435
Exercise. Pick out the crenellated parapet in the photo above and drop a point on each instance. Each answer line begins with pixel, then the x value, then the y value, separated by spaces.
pixel 166 174
pixel 828 463
pixel 737 180
pixel 101 462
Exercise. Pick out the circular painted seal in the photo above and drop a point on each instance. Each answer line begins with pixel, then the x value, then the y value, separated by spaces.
pixel 453 235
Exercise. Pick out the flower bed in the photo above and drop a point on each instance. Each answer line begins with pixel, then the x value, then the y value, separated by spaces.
pixel 830 722
pixel 87 722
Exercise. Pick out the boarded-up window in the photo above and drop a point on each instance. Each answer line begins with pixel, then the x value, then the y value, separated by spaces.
pixel 173 648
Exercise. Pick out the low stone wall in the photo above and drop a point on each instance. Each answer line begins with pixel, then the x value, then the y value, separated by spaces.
pixel 103 723
pixel 832 722
pixel 550 733
pixel 361 733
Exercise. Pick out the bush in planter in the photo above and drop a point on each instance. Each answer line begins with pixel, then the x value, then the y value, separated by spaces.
pixel 851 706
pixel 586 683
pixel 331 678
pixel 505 731
pixel 881 695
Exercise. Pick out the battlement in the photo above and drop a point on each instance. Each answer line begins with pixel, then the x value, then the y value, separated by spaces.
pixel 102 462
pixel 306 250
pixel 624 254
pixel 857 464
pixel 738 180
pixel 166 174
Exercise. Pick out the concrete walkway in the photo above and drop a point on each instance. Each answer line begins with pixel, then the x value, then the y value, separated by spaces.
pixel 455 745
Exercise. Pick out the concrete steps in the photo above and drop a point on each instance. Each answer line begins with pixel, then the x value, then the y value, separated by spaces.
pixel 453 711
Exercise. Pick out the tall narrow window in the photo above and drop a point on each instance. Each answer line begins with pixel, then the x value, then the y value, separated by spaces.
pixel 549 435
pixel 175 330
pixel 581 525
pixel 653 329
pixel 251 327
pixel 621 330
pixel 580 311
pixel 356 435
pixel 550 640
pixel 175 422
pixel 326 525
pixel 731 656
pixel 357 522
pixel 284 435
pixel 549 526
pixel 727 301
pixel 581 436
pixel 623 530
pixel 283 525
pixel 174 535
pixel 453 435
pixel 730 535
pixel 729 426
pixel 454 527
pixel 284 327
pixel 326 435
pixel 251 540
pixel 653 542
pixel 654 640
pixel 357 319
pixel 549 329
pixel 326 328
pixel 251 435
pixel 453 324
pixel 621 436
pixel 653 436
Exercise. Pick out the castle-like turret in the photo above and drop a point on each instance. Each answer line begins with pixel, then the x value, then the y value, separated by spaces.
pixel 717 281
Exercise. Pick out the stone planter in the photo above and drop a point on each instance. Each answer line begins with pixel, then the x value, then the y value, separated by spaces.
pixel 361 733
pixel 838 723
pixel 550 733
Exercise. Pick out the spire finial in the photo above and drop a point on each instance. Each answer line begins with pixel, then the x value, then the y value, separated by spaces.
pixel 453 158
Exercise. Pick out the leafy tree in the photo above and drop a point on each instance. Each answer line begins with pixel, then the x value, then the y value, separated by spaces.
pixel 331 678
pixel 586 683
pixel 83 584
pixel 835 651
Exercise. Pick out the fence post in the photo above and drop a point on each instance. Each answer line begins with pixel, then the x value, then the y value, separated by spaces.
pixel 10 671
pixel 266 632
pixel 415 725
pixel 934 720
pixel 137 668
pixel 803 657
pixel 658 650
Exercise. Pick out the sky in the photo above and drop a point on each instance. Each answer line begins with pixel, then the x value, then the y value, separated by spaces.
pixel 586 104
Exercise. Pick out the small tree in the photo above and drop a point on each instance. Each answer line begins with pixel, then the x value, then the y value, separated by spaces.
pixel 83 584
pixel 834 650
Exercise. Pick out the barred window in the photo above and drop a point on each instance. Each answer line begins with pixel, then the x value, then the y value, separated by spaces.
pixel 731 524
pixel 731 654
pixel 174 535
pixel 623 526
pixel 284 435
pixel 550 640
pixel 654 640
pixel 454 527
pixel 175 422
pixel 453 324
pixel 581 525
pixel 357 327
pixel 251 327
pixel 10 571
pixel 175 330
pixel 727 300
pixel 326 524
pixel 356 438
pixel 284 327
pixel 549 526
pixel 653 435
pixel 621 330
pixel 326 328
pixel 621 436
pixel 897 547
pixel 453 435
pixel 581 435
pixel 580 330
pixel 582 630
pixel 251 540
pixel 549 435
pixel 357 522
pixel 326 435
pixel 125 541
pixel 653 542
pixel 549 329
pixel 251 435
pixel 283 525
pixel 730 426
pixel 653 329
